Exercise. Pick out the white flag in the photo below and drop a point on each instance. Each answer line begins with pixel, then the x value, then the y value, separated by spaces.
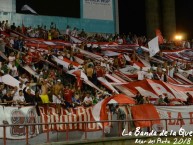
pixel 153 46
pixel 28 8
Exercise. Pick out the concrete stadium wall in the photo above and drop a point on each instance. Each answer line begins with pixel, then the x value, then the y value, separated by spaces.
pixel 89 25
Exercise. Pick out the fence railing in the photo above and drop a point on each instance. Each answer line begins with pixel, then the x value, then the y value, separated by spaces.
pixel 85 126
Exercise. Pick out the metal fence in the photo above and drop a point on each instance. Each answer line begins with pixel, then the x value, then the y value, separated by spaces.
pixel 85 126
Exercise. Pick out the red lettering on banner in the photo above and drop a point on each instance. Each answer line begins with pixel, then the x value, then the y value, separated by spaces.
pixel 52 120
pixel 191 117
pixel 179 120
pixel 57 119
pixel 45 119
pixel 169 117
pixel 53 117
pixel 42 110
pixel 80 114
pixel 65 111
pixel 63 118
pixel 72 118
pixel 51 110
pixel 91 126
pixel 81 117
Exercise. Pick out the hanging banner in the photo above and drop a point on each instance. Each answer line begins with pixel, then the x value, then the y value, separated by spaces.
pixel 184 115
pixel 55 113
pixel 23 115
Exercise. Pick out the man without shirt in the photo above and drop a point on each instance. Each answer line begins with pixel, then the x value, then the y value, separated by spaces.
pixel 57 92
pixel 44 92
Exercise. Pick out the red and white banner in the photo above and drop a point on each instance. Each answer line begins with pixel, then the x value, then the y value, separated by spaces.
pixel 44 44
pixel 178 117
pixel 56 114
pixel 14 116
pixel 154 88
pixel 65 63
pixel 184 115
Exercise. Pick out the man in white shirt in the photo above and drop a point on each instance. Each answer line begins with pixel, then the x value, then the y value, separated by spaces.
pixel 88 100
pixel 14 71
pixel 103 63
pixel 140 74
pixel 19 98
pixel 60 56
pixel 149 74
pixel 11 58
pixel 120 40
pixel 23 79
pixel 20 87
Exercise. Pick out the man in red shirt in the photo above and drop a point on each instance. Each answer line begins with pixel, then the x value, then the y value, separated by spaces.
pixel 68 93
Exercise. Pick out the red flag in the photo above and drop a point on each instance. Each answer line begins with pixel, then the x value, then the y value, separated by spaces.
pixel 160 37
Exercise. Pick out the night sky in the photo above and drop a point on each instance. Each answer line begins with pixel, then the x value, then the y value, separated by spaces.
pixel 132 17
pixel 184 17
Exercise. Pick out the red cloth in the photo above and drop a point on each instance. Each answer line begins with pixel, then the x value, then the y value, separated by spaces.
pixel 145 112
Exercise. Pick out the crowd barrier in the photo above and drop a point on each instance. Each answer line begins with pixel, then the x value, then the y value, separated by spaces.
pixel 85 124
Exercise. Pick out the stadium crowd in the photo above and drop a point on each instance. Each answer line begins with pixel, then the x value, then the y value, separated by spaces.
pixel 54 85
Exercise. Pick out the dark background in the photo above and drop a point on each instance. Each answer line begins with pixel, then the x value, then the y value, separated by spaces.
pixel 132 17
pixel 65 8
pixel 184 17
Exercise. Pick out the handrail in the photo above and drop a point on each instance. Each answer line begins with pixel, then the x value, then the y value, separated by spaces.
pixel 102 121
pixel 85 123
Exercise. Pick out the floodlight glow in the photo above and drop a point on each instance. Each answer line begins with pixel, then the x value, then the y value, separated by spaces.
pixel 178 37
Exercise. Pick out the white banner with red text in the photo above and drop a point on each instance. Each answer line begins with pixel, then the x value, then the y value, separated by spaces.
pixel 184 115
